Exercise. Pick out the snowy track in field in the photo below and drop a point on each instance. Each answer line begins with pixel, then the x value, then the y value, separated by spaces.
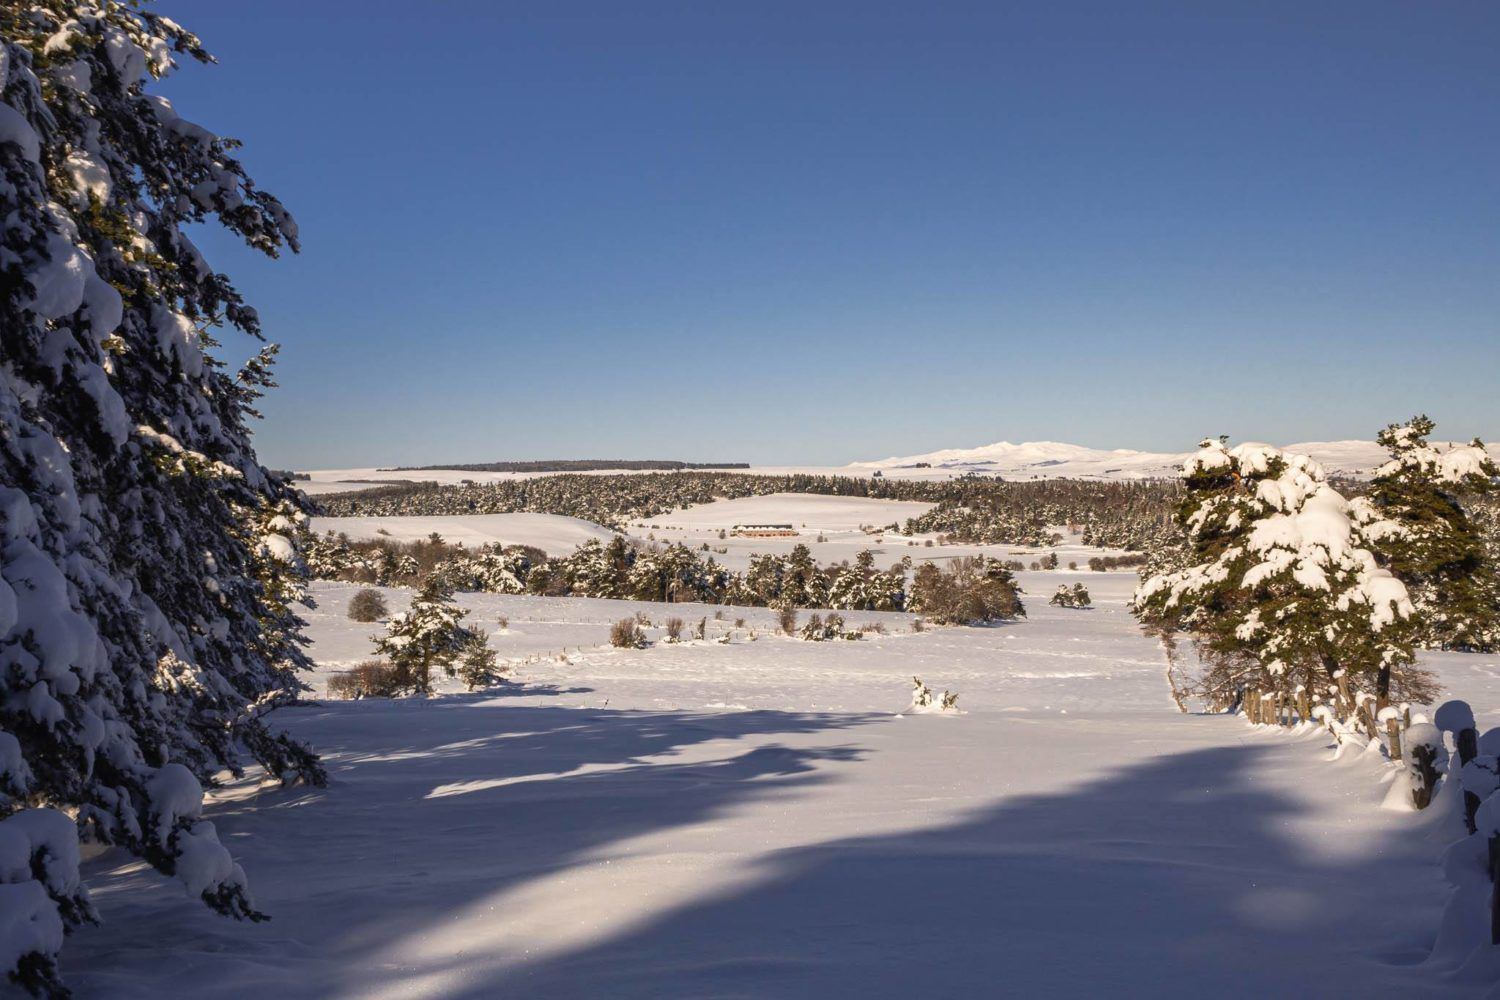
pixel 755 820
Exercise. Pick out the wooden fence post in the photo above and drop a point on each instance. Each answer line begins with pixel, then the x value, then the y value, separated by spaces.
pixel 1424 743
pixel 1468 748
pixel 1457 717
pixel 1424 760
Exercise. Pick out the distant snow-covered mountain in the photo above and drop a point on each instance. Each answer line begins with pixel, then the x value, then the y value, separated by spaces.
pixel 1058 460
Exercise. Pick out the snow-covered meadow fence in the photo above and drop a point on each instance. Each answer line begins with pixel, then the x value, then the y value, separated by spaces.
pixel 1451 752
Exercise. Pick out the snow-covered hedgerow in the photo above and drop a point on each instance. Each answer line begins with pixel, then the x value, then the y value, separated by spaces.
pixel 146 573
pixel 1281 589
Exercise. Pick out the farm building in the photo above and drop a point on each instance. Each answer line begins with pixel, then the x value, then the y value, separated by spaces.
pixel 764 530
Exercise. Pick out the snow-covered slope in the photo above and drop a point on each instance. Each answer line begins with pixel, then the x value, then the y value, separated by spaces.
pixel 1057 460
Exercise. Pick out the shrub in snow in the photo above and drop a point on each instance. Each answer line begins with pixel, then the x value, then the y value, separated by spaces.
pixel 819 629
pixel 1076 596
pixel 786 619
pixel 368 605
pixel 972 591
pixel 626 634
pixel 1432 546
pixel 674 629
pixel 1282 592
pixel 370 679
pixel 147 571
pixel 924 701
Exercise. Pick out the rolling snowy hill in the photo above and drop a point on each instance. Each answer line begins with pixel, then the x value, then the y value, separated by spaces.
pixel 1027 460
pixel 1057 460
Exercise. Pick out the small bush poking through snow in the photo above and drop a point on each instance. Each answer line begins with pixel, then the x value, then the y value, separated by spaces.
pixel 368 605
pixel 786 619
pixel 819 629
pixel 1076 596
pixel 370 679
pixel 674 629
pixel 626 634
pixel 923 701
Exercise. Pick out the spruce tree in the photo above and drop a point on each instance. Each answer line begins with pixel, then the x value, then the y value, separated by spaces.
pixel 1437 551
pixel 428 634
pixel 1281 589
pixel 147 571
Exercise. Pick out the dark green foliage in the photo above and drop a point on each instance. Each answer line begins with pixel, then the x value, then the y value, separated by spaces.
pixel 1439 553
pixel 367 606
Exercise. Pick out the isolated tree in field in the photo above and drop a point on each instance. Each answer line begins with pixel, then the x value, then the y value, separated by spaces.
pixel 1282 591
pixel 1434 548
pixel 973 591
pixel 367 605
pixel 476 660
pixel 147 570
pixel 428 634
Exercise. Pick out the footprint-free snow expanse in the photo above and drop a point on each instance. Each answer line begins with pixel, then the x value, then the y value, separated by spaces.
pixel 752 819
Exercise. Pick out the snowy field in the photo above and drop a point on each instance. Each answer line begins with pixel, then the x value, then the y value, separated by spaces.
pixel 829 526
pixel 554 534
pixel 756 819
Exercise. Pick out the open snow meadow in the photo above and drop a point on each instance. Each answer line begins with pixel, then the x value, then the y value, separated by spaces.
pixel 476 575
pixel 764 816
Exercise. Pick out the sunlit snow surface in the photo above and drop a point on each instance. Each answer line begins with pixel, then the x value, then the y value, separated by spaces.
pixel 752 819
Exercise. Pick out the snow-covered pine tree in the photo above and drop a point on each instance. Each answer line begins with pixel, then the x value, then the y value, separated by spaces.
pixel 428 634
pixel 1437 552
pixel 145 621
pixel 1282 592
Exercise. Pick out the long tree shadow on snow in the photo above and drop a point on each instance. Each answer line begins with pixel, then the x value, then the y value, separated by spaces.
pixel 1173 879
pixel 432 807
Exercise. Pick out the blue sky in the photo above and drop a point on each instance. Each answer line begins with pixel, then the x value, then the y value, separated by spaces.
pixel 820 232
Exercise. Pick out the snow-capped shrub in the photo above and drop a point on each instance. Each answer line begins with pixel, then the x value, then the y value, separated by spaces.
pixel 923 700
pixel 367 605
pixel 820 629
pixel 1076 596
pixel 148 561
